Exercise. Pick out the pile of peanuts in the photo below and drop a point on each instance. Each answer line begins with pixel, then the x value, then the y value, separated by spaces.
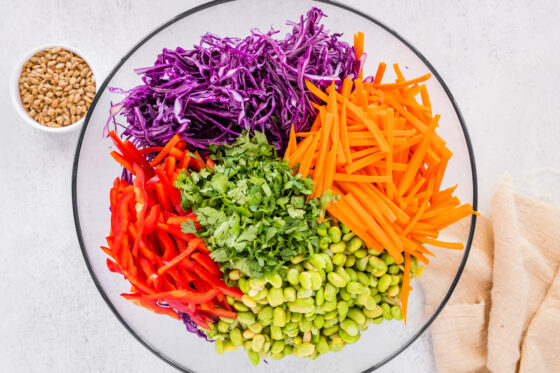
pixel 56 87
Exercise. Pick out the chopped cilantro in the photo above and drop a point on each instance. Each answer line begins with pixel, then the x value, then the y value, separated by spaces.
pixel 254 211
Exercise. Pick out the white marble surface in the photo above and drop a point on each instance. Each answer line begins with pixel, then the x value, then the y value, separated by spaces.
pixel 499 58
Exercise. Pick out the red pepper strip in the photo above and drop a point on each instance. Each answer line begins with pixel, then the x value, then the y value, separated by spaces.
pixel 121 222
pixel 169 250
pixel 210 164
pixel 177 220
pixel 216 282
pixel 185 274
pixel 223 301
pixel 182 296
pixel 181 145
pixel 173 262
pixel 120 145
pixel 113 267
pixel 170 144
pixel 208 264
pixel 219 312
pixel 146 252
pixel 151 305
pixel 152 276
pixel 126 260
pixel 139 158
pixel 184 161
pixel 107 251
pixel 195 316
pixel 197 163
pixel 122 161
pixel 176 231
pixel 152 219
pixel 162 198
pixel 150 150
pixel 171 163
pixel 203 249
pixel 172 192
pixel 142 200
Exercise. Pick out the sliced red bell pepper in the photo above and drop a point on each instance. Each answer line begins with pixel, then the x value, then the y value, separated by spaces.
pixel 182 295
pixel 207 263
pixel 218 312
pixel 169 249
pixel 151 305
pixel 197 163
pixel 122 161
pixel 139 159
pixel 162 197
pixel 149 271
pixel 210 163
pixel 176 231
pixel 173 262
pixel 141 205
pixel 216 282
pixel 150 223
pixel 172 192
pixel 113 267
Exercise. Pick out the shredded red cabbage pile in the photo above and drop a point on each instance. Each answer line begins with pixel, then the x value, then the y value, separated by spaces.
pixel 211 93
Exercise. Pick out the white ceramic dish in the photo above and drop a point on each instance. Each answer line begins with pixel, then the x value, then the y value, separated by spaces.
pixel 16 98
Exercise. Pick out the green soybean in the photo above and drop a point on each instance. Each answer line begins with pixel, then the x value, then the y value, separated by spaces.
pixel 219 346
pixel 384 283
pixel 254 357
pixel 342 308
pixel 320 297
pixel 290 294
pixel 334 234
pixel 246 317
pixel 279 317
pixel 336 344
pixel 387 315
pixel 293 276
pixel 330 291
pixel 354 245
pixel 354 287
pixel 348 236
pixel 318 322
pixel 347 338
pixel 277 347
pixel 322 346
pixel 304 350
pixel 276 332
pixel 393 291
pixel 256 327
pixel 236 337
pixel 356 315
pixel 266 313
pixel 321 230
pixel 331 330
pixel 324 243
pixel 243 285
pixel 344 294
pixel 336 279
pixel 257 283
pixel 361 264
pixel 388 259
pixel 393 269
pixel 397 313
pixel 339 259
pixel 374 312
pixel 349 327
pixel 305 280
pixel 275 297
pixel 350 260
pixel 338 247
pixel 316 281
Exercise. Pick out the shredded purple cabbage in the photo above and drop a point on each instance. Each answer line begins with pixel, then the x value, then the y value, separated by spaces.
pixel 191 326
pixel 211 93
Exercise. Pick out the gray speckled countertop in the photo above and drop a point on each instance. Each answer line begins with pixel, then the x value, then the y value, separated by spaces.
pixel 499 58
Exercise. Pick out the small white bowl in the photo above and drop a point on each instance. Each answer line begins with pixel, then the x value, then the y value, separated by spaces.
pixel 16 98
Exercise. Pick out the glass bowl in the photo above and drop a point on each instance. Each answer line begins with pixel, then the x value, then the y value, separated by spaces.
pixel 94 171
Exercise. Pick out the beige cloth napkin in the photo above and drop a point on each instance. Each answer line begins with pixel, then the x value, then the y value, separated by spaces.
pixel 504 315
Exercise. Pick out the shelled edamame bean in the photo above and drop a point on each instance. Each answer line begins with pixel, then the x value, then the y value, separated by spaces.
pixel 316 304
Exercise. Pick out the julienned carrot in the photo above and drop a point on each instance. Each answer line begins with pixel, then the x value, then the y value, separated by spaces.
pixel 405 290
pixel 379 150
pixel 379 73
pixel 308 156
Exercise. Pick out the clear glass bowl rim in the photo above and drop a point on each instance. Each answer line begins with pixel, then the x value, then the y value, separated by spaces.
pixel 329 2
